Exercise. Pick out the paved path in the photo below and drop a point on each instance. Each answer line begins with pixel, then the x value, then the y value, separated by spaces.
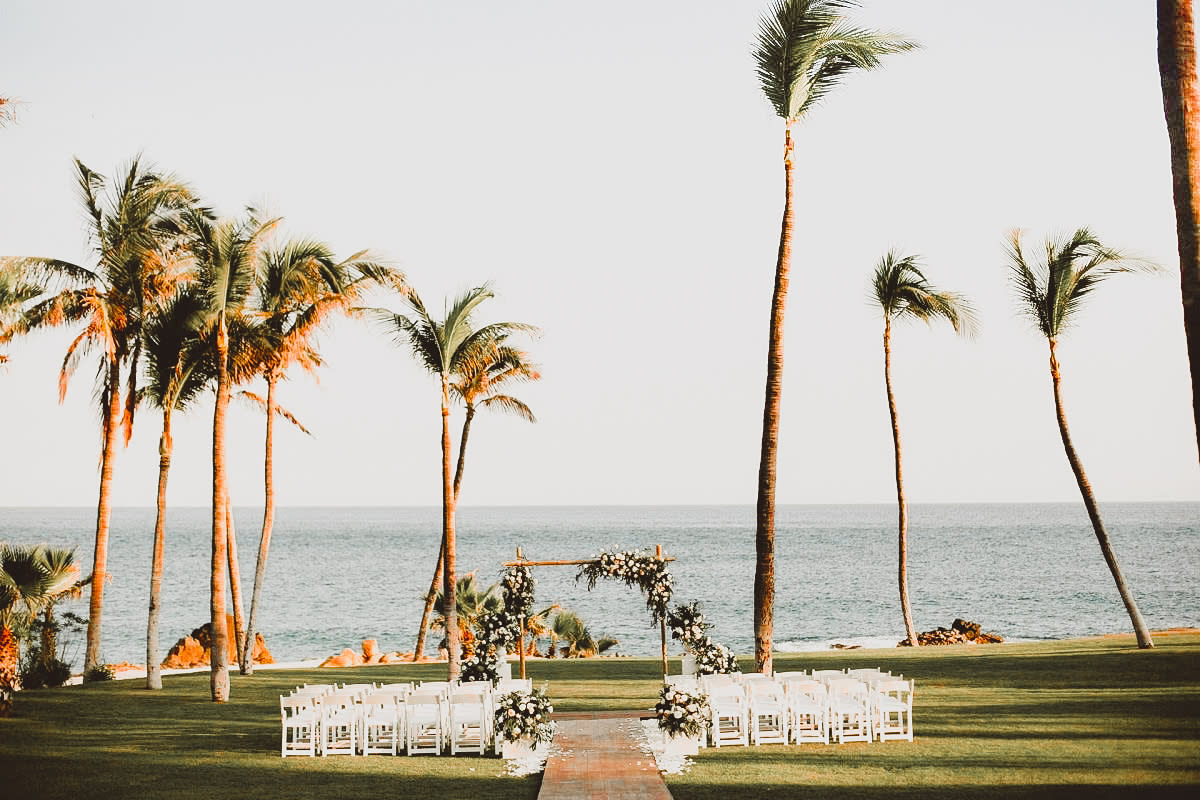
pixel 598 758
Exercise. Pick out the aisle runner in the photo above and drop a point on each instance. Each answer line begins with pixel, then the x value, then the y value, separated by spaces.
pixel 598 756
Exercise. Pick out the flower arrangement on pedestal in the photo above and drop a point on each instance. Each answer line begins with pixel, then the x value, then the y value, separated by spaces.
pixel 689 626
pixel 494 632
pixel 682 713
pixel 525 716
pixel 636 568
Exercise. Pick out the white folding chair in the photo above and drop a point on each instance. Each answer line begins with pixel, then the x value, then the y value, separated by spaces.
pixel 383 721
pixel 768 712
pixel 682 682
pixel 850 710
pixel 728 704
pixel 893 703
pixel 808 704
pixel 709 682
pixel 301 722
pixel 339 722
pixel 468 722
pixel 423 723
pixel 514 685
pixel 826 675
pixel 792 675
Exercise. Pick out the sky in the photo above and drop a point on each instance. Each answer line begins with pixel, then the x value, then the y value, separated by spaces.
pixel 615 172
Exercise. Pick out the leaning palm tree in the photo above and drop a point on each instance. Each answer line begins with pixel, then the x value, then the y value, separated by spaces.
pixel 139 259
pixel 901 290
pixel 226 253
pixel 30 577
pixel 16 292
pixel 804 49
pixel 478 387
pixel 301 286
pixel 1051 292
pixel 1181 103
pixel 447 348
pixel 177 371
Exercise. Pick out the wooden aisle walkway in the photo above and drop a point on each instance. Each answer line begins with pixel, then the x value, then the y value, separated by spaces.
pixel 599 759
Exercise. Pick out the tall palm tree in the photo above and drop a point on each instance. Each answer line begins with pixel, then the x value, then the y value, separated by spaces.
pixel 177 371
pixel 447 348
pixel 901 290
pixel 1051 292
pixel 478 387
pixel 1181 103
pixel 16 291
pixel 227 255
pixel 301 286
pixel 138 260
pixel 30 577
pixel 804 49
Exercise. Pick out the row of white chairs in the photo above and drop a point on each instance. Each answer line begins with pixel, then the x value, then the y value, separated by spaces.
pixel 365 719
pixel 821 706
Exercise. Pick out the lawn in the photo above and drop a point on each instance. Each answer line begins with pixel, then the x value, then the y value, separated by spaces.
pixel 1089 718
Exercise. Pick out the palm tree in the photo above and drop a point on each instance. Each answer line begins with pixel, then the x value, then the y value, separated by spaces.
pixel 804 49
pixel 177 371
pixel 448 348
pixel 16 291
pixel 139 259
pixel 30 578
pixel 901 290
pixel 478 386
pixel 580 642
pixel 1181 102
pixel 471 603
pixel 300 287
pixel 1051 292
pixel 226 253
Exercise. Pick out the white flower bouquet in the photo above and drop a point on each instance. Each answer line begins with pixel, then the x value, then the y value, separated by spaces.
pixel 682 712
pixel 525 715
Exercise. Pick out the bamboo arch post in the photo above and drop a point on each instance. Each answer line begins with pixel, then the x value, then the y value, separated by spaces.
pixel 522 562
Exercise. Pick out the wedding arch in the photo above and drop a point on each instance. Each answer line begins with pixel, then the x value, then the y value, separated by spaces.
pixel 635 567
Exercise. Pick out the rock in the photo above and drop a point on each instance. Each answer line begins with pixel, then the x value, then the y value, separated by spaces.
pixel 346 658
pixel 195 650
pixel 840 646
pixel 370 651
pixel 960 632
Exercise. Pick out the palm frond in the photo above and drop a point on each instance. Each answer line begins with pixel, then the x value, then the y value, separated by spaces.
pixel 901 290
pixel 805 47
pixel 1051 292
pixel 508 405
pixel 260 402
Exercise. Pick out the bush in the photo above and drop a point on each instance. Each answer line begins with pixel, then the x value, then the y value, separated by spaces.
pixel 37 673
pixel 98 672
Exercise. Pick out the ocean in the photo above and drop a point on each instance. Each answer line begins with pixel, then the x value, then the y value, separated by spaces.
pixel 337 576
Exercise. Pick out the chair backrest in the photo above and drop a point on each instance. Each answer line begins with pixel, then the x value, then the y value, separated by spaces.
pixel 707 682
pixel 765 689
pixel 291 705
pixel 754 677
pixel 847 686
pixel 474 687
pixel 682 681
pixel 828 674
pixel 515 685
pixel 900 689
pixel 792 674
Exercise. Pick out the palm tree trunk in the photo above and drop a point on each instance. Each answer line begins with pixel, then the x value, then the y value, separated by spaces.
pixel 906 609
pixel 219 677
pixel 49 636
pixel 1089 501
pixel 1181 102
pixel 112 417
pixel 764 538
pixel 431 595
pixel 264 541
pixel 153 668
pixel 448 576
pixel 235 581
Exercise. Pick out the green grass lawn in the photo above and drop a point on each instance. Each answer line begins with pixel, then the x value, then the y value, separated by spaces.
pixel 1058 719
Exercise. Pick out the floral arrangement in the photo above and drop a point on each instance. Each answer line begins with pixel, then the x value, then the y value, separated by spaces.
pixel 484 665
pixel 713 658
pixel 525 715
pixel 687 624
pixel 636 568
pixel 517 584
pixel 682 712
pixel 498 629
